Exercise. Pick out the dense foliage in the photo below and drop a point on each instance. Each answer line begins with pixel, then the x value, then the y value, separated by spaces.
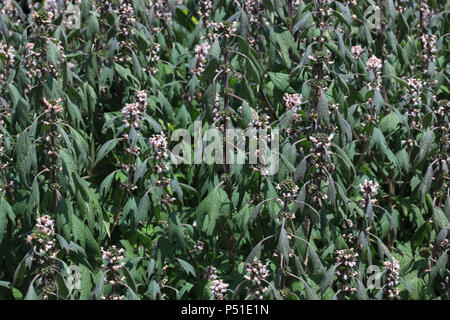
pixel 94 206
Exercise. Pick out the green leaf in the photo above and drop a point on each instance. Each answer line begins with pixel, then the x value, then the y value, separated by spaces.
pixel 310 293
pixel 144 207
pixel 4 28
pixel 187 267
pixel 31 293
pixel 213 206
pixel 125 74
pixel 426 182
pixel 98 290
pixel 331 193
pixel 439 218
pixel 361 290
pixel 176 228
pixel 255 253
pixel 283 244
pixel 318 266
pixel 304 21
pixel 426 145
pixel 214 52
pixel 105 149
pixel 63 219
pixel 53 54
pixel 389 122
pixel 5 211
pixel 153 289
pixel 280 80
pixel 439 268
pixel 286 120
pixel 328 279
pixel 322 109
pixel 105 186
pixel 93 27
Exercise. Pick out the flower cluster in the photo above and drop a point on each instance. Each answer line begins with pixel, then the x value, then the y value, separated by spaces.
pixel 153 57
pixel 5 185
pixel 293 101
pixel 415 114
pixel 199 246
pixel 159 152
pixel 440 247
pixel 285 215
pixel 348 232
pixel 223 29
pixel 256 272
pixel 356 51
pixel 43 239
pixel 428 47
pixel 10 10
pixel 32 61
pixel 255 13
pixel 43 17
pixel 53 7
pixel 320 141
pixel 113 262
pixel 443 108
pixel 53 111
pixel 53 108
pixel 351 3
pixel 211 272
pixel 205 9
pixel 113 258
pixel 446 287
pixel 216 108
pixel 288 189
pixel 162 11
pixel 369 188
pixel 8 52
pixel 218 289
pixel 36 68
pixel 391 277
pixel 201 52
pixel 45 254
pixel 427 14
pixel 134 112
pixel 374 64
pixel 126 16
pixel 346 269
pixel 414 89
pixel 260 123
pixel 217 286
pixel 409 142
pixel 55 67
pixel 220 114
pixel 322 20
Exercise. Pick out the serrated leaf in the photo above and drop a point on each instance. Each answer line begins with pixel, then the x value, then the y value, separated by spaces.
pixel 322 109
pixel 187 267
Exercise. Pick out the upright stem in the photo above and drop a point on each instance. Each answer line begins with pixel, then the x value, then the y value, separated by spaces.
pixel 382 36
pixel 282 262
pixel 290 15
pixel 421 15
